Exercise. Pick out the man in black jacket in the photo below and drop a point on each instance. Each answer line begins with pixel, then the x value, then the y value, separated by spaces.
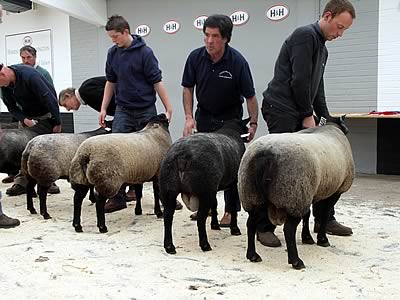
pixel 296 92
pixel 32 100
pixel 90 93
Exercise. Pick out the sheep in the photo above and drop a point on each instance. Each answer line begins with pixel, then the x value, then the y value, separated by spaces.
pixel 198 166
pixel 47 158
pixel 285 173
pixel 12 144
pixel 108 162
pixel 12 125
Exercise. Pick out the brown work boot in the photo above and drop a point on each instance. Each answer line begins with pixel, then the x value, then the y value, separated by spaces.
pixel 268 239
pixel 16 190
pixel 131 196
pixel 334 228
pixel 7 222
pixel 8 179
pixel 53 189
pixel 113 205
pixel 225 220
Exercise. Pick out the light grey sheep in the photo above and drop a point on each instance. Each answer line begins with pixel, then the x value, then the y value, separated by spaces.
pixel 285 173
pixel 108 162
pixel 47 158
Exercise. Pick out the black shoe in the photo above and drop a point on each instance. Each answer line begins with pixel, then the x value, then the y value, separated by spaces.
pixel 268 239
pixel 178 206
pixel 53 189
pixel 8 179
pixel 334 228
pixel 16 190
pixel 7 222
pixel 113 205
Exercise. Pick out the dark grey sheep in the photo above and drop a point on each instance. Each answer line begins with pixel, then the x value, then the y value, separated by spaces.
pixel 198 166
pixel 288 172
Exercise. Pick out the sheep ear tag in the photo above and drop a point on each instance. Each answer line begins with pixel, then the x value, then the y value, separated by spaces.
pixel 107 129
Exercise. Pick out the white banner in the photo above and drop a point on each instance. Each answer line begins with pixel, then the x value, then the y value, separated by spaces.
pixel 40 40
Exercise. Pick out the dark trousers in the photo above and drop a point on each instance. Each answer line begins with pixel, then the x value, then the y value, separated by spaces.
pixel 128 120
pixel 208 123
pixel 280 122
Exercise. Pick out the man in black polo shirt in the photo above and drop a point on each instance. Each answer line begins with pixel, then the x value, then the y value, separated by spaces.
pixel 222 79
pixel 32 100
pixel 297 92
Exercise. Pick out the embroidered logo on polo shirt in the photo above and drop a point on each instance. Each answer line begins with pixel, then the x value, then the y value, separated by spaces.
pixel 225 74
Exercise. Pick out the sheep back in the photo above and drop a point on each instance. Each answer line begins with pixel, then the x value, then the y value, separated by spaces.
pixel 111 160
pixel 291 171
pixel 47 157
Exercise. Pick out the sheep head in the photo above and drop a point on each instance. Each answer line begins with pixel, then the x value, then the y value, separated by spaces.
pixel 160 119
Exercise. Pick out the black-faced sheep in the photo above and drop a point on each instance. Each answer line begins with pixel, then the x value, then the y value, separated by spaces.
pixel 46 159
pixel 286 173
pixel 108 162
pixel 198 166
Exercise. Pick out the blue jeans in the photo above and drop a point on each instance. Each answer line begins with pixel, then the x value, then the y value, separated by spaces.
pixel 128 120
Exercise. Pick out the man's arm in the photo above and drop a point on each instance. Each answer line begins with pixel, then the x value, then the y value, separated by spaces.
pixel 252 109
pixel 108 93
pixel 162 93
pixel 320 106
pixel 190 124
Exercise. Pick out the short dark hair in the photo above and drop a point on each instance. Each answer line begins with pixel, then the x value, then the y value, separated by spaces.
pixel 29 49
pixel 336 7
pixel 222 22
pixel 117 23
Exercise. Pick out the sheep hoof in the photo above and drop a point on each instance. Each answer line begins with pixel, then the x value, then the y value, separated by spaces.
pixel 46 216
pixel 138 212
pixel 298 264
pixel 206 247
pixel 103 229
pixel 323 243
pixel 307 240
pixel 170 249
pixel 33 211
pixel 215 226
pixel 159 215
pixel 78 228
pixel 235 231
pixel 254 257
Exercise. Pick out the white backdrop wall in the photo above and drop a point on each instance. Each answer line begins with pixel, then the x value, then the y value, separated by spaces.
pixel 39 19
pixel 389 56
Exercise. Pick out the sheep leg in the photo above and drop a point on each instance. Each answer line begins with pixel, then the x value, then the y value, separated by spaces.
pixel 101 218
pixel 202 214
pixel 139 195
pixel 214 216
pixel 327 204
pixel 232 195
pixel 80 194
pixel 92 194
pixel 306 237
pixel 169 209
pixel 289 230
pixel 156 190
pixel 30 190
pixel 251 236
pixel 42 192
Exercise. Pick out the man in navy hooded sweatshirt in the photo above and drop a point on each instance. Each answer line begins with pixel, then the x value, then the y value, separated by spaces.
pixel 133 74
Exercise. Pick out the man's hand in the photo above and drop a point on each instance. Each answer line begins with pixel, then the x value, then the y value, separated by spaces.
pixel 252 131
pixel 309 122
pixel 190 124
pixel 57 129
pixel 29 122
pixel 102 118
pixel 168 114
